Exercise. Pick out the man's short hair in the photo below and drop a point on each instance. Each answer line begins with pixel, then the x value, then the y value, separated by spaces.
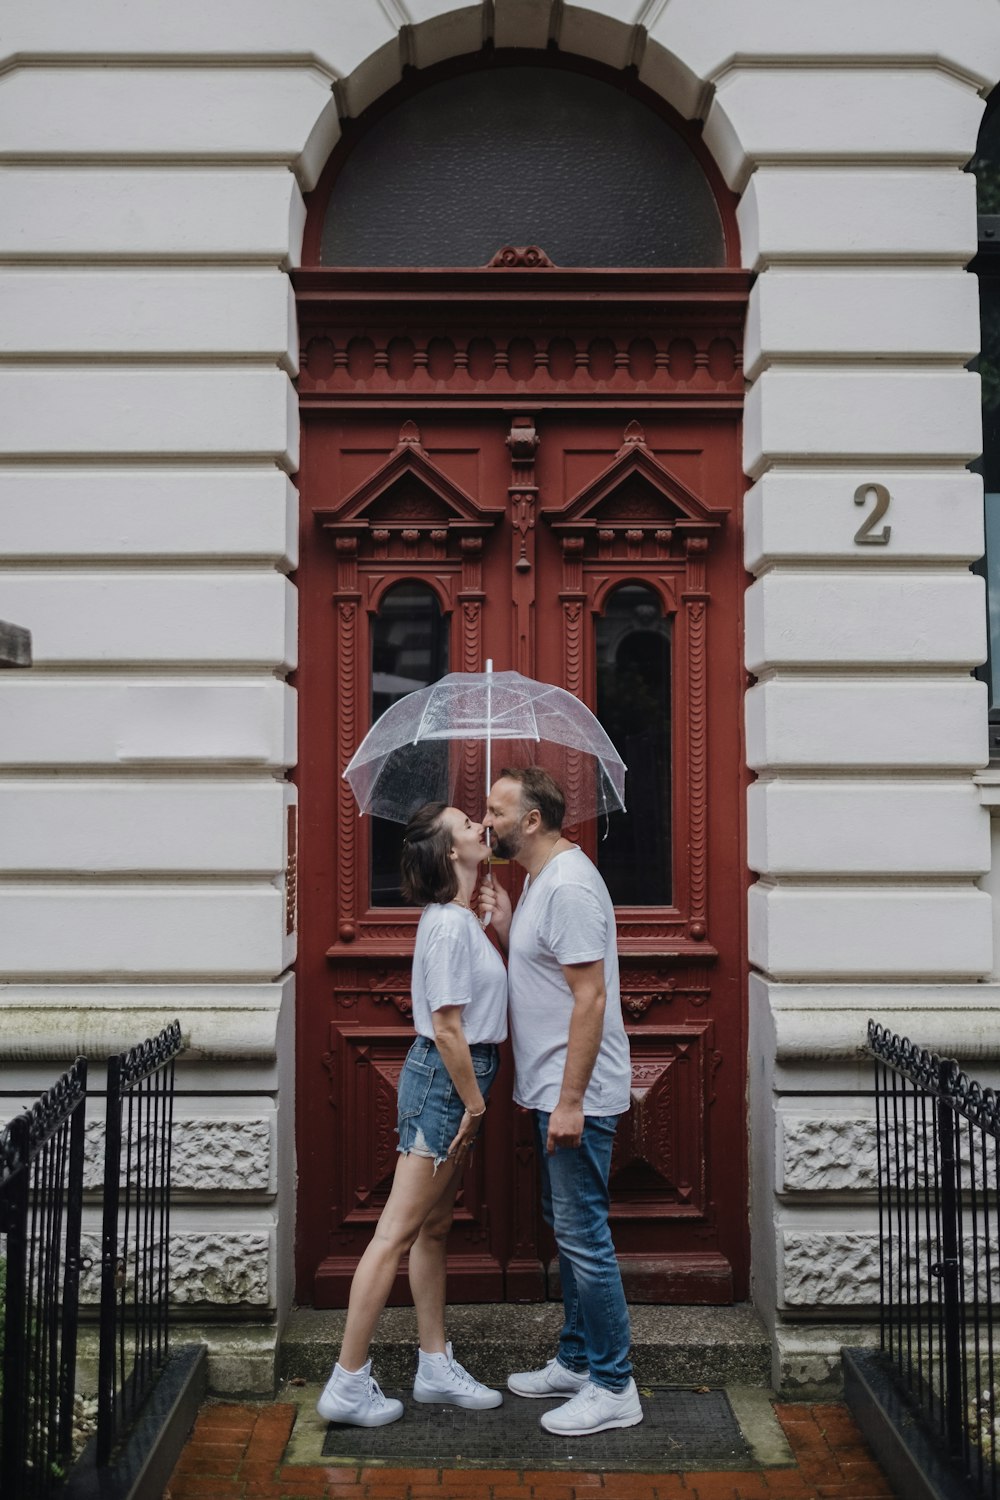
pixel 540 790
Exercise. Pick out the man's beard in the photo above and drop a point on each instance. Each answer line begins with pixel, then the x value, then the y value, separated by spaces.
pixel 506 847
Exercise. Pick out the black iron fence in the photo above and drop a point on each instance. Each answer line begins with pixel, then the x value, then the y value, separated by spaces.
pixel 135 1247
pixel 41 1204
pixel 938 1145
pixel 41 1201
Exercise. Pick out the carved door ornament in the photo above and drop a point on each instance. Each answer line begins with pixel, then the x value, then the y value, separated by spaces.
pixel 409 508
pixel 407 517
pixel 522 440
pixel 636 520
pixel 511 256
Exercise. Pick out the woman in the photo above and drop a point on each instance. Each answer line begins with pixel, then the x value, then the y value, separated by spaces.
pixel 459 991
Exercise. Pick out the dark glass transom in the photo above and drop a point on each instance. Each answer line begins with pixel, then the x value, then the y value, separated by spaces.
pixel 522 156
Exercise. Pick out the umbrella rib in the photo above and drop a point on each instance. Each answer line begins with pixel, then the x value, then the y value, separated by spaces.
pixel 417 736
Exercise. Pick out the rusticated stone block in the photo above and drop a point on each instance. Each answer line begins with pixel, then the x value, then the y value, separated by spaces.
pixel 828 1155
pixel 842 1270
pixel 220 1268
pixel 214 1268
pixel 209 1154
pixel 830 1270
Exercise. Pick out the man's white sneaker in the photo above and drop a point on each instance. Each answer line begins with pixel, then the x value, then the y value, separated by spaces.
pixel 354 1397
pixel 440 1378
pixel 553 1380
pixel 593 1409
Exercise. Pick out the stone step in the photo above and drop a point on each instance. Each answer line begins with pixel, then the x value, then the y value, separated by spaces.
pixel 713 1346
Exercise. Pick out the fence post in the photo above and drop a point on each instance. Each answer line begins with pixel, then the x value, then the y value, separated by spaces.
pixel 109 1263
pixel 15 1224
pixel 948 1268
pixel 71 1270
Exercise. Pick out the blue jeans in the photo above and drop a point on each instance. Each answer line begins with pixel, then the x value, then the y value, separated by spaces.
pixel 596 1334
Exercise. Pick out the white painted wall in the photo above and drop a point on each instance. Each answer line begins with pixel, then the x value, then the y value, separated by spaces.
pixel 866 830
pixel 152 168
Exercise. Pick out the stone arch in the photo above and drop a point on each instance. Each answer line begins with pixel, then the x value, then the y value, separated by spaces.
pixel 587 28
pixel 448 30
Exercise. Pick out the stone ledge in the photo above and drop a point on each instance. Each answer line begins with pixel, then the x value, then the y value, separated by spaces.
pixel 913 1462
pixel 826 1023
pixel 241 1355
pixel 670 1345
pixel 807 1358
pixel 145 1460
pixel 988 782
pixel 15 645
pixel 35 1033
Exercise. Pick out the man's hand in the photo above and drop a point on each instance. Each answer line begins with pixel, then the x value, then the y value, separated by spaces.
pixel 495 900
pixel 565 1127
pixel 586 984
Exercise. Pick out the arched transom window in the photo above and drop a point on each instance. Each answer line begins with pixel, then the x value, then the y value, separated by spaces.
pixel 518 156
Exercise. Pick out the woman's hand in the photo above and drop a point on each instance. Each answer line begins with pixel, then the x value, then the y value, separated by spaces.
pixel 455 1054
pixel 467 1132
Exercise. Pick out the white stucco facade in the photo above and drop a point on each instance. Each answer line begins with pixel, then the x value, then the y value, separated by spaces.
pixel 152 167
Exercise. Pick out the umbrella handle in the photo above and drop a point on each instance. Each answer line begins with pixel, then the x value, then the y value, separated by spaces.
pixel 489 763
pixel 485 921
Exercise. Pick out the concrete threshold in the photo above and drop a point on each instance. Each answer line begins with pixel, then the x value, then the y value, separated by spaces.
pixel 671 1346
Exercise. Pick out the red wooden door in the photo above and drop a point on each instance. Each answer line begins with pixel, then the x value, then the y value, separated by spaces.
pixel 554 483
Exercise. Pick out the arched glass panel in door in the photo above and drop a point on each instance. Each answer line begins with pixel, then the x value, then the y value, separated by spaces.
pixel 632 641
pixel 519 155
pixel 409 651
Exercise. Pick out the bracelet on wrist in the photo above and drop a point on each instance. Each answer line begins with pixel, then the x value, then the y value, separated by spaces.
pixel 475 1114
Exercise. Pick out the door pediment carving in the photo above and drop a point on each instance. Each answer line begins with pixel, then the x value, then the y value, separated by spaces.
pixel 409 497
pixel 636 493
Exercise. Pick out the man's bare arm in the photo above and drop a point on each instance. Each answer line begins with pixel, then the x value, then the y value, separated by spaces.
pixel 586 1028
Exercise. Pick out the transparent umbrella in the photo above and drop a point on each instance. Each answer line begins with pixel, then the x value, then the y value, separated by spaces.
pixel 415 752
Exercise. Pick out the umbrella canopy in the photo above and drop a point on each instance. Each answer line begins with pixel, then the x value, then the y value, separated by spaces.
pixel 412 754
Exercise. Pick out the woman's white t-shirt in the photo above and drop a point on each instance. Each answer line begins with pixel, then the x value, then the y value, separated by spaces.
pixel 454 963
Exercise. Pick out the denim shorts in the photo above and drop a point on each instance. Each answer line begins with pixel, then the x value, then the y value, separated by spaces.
pixel 430 1106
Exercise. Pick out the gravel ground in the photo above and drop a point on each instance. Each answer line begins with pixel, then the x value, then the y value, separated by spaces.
pixel 84 1422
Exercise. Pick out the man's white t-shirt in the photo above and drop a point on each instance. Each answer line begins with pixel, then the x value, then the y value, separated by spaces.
pixel 564 916
pixel 454 963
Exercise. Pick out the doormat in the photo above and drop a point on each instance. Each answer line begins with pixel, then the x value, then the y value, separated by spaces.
pixel 681 1429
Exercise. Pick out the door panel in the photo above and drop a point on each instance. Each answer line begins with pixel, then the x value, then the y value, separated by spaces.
pixel 577 540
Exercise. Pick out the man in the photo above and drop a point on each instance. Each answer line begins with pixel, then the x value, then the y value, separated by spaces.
pixel 571 1060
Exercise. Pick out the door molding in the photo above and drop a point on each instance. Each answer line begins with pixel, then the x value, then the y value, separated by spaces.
pixel 518 335
pixel 515 343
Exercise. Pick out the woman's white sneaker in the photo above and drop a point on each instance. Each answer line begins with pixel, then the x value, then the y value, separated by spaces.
pixel 553 1379
pixel 593 1409
pixel 354 1397
pixel 440 1378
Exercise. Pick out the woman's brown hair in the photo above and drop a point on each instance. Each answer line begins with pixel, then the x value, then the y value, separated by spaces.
pixel 427 867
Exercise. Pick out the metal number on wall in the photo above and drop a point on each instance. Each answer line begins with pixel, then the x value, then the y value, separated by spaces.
pixel 866 535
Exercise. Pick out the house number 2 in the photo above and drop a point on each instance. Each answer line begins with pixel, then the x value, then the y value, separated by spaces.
pixel 866 535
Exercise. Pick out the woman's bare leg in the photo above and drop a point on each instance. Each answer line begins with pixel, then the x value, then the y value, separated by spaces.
pixel 416 1191
pixel 428 1269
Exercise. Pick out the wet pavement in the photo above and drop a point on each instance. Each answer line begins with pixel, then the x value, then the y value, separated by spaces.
pixel 694 1444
